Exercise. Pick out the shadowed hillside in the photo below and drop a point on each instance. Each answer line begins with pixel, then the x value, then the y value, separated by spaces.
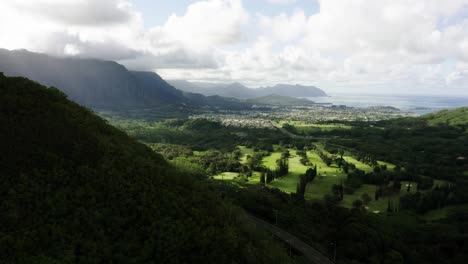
pixel 102 84
pixel 74 189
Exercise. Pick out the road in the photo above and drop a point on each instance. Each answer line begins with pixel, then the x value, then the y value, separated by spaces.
pixel 309 252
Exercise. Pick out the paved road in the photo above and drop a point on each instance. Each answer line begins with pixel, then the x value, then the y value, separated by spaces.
pixel 309 252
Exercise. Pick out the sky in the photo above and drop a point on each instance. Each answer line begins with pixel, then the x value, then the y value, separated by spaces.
pixel 341 46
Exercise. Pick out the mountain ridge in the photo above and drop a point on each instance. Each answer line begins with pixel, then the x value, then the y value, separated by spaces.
pixel 101 84
pixel 240 91
pixel 280 100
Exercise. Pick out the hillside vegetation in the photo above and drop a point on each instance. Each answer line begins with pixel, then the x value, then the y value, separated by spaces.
pixel 74 189
pixel 458 116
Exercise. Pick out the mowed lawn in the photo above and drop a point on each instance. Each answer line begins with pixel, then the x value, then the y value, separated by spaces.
pixel 327 176
pixel 245 151
pixel 226 176
pixel 270 161
pixel 289 182
pixel 255 178
pixel 360 165
pixel 311 126
pixel 389 165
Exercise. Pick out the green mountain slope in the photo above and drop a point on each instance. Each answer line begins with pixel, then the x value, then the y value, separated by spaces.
pixel 458 116
pixel 73 189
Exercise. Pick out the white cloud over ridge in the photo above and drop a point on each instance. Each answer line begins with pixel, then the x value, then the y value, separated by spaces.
pixel 401 46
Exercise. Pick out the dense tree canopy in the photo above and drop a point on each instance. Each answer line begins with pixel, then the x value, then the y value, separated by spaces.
pixel 75 190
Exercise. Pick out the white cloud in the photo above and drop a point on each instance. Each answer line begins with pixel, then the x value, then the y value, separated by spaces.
pixel 385 45
pixel 206 23
pixel 389 42
pixel 78 12
pixel 113 30
pixel 284 27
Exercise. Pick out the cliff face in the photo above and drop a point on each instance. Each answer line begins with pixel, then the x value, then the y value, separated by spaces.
pixel 91 82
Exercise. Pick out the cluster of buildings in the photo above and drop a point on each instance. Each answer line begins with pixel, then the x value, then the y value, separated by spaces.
pixel 262 117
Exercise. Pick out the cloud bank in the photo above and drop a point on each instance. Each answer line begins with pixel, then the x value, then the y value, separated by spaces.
pixel 399 46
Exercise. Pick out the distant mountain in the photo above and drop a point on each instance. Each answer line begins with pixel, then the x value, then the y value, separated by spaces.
pixel 457 116
pixel 274 99
pixel 295 90
pixel 97 83
pixel 240 91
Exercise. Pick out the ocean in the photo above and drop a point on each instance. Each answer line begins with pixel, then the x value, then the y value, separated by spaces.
pixel 417 104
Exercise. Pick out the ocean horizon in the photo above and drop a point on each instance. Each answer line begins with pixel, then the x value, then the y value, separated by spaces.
pixel 419 105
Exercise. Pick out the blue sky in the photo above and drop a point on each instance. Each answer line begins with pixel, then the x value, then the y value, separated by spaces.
pixel 351 46
pixel 158 11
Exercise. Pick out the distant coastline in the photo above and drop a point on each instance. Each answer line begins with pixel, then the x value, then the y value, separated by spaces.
pixel 419 105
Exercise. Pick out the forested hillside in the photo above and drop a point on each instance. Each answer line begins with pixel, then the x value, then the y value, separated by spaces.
pixel 458 116
pixel 74 189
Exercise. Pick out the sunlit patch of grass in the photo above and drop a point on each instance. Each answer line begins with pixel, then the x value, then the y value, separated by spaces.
pixel 226 176
pixel 360 165
pixel 270 161
pixel 327 176
pixel 255 178
pixel 312 126
pixel 289 182
pixel 389 165
pixel 245 151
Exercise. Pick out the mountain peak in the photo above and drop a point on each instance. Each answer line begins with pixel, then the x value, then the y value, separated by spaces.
pixel 240 91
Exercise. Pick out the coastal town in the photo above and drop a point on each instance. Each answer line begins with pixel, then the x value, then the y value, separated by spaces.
pixel 263 116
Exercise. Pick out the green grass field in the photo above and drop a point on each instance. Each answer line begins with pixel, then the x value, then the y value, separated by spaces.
pixel 255 178
pixel 360 165
pixel 309 126
pixel 226 176
pixel 326 177
pixel 245 151
pixel 289 182
pixel 389 165
pixel 270 161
